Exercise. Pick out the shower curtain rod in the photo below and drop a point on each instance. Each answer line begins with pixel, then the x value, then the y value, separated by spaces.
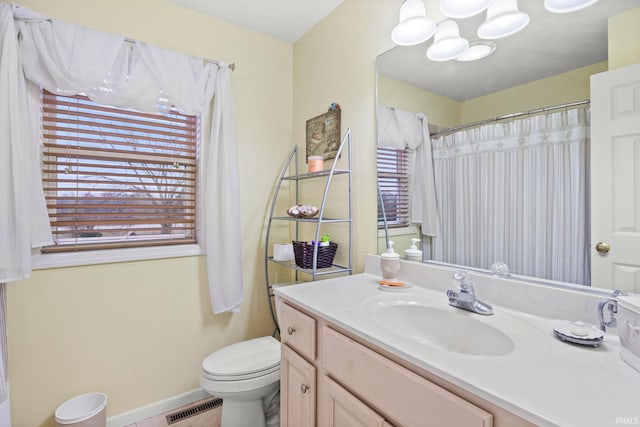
pixel 232 66
pixel 510 116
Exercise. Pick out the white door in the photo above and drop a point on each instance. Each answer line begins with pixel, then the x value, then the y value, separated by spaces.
pixel 615 179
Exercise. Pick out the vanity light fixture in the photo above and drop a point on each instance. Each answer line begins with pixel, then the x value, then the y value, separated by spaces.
pixel 566 6
pixel 503 19
pixel 414 26
pixel 447 43
pixel 463 9
pixel 477 49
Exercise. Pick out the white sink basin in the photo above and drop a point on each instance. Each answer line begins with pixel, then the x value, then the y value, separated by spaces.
pixel 445 327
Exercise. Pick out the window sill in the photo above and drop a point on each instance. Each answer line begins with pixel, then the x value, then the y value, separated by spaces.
pixel 401 231
pixel 75 259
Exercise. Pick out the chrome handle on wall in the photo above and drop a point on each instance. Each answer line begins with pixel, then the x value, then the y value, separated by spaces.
pixel 304 388
pixel 603 247
pixel 291 330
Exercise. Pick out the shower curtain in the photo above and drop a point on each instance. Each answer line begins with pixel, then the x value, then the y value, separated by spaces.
pixel 517 192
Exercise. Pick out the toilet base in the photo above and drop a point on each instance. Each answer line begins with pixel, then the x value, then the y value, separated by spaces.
pixel 243 414
pixel 259 408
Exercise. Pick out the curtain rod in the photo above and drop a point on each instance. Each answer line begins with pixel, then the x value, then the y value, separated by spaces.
pixel 510 116
pixel 232 66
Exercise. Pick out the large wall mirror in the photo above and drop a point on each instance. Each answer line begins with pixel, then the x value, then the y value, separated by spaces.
pixel 537 77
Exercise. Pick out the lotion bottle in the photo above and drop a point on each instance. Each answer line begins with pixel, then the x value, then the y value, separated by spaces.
pixel 390 264
pixel 413 253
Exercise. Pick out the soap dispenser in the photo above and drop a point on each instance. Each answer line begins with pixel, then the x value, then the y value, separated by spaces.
pixel 413 253
pixel 390 264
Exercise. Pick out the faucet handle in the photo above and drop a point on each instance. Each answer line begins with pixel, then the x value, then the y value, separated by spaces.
pixel 459 276
pixel 466 287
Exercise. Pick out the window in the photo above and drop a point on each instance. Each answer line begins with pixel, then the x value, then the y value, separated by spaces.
pixel 393 182
pixel 117 178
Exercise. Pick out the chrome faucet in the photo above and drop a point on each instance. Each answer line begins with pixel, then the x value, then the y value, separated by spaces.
pixel 465 298
pixel 612 306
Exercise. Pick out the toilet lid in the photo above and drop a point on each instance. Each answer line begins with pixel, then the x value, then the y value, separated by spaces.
pixel 244 358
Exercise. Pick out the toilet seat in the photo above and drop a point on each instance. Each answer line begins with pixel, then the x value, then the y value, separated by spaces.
pixel 244 360
pixel 241 367
pixel 252 385
pixel 246 376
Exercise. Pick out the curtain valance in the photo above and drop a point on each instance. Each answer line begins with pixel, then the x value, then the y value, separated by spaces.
pixel 563 127
pixel 69 59
pixel 398 128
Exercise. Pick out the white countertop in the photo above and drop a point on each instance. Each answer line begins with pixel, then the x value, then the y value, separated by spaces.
pixel 543 380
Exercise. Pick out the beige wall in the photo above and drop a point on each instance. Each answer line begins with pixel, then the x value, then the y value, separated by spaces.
pixel 624 39
pixel 445 112
pixel 442 111
pixel 139 331
pixel 560 89
pixel 335 62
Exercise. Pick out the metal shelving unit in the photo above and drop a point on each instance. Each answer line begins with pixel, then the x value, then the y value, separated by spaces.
pixel 320 220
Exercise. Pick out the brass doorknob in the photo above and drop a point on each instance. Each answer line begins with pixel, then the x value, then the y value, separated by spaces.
pixel 603 247
pixel 291 330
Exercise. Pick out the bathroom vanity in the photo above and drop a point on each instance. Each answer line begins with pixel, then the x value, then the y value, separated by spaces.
pixel 353 354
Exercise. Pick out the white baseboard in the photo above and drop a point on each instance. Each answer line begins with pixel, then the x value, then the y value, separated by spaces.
pixel 156 408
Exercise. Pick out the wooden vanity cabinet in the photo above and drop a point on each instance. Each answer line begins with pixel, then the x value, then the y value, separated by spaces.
pixel 330 379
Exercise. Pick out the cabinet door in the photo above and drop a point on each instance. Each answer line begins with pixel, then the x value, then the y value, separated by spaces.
pixel 339 408
pixel 297 390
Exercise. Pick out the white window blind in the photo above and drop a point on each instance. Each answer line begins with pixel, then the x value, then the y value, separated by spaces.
pixel 117 178
pixel 393 181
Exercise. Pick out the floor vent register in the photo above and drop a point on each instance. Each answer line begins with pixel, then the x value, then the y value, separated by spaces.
pixel 193 411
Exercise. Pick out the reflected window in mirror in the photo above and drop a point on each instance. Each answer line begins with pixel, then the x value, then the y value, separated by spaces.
pixel 393 182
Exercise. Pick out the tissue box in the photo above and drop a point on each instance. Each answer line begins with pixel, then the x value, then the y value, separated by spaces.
pixel 283 252
pixel 629 329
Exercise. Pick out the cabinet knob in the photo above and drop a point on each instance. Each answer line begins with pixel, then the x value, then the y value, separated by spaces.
pixel 291 330
pixel 603 247
pixel 304 388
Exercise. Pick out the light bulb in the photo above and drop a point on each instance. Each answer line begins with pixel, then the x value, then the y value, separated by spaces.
pixel 503 19
pixel 447 43
pixel 414 26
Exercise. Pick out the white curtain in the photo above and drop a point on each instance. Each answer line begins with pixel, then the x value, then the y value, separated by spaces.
pixel 5 416
pixel 400 129
pixel 517 193
pixel 24 223
pixel 68 59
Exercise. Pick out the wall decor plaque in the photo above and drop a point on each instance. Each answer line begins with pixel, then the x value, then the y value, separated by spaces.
pixel 323 135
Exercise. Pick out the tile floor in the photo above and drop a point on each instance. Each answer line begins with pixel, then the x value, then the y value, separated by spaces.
pixel 210 418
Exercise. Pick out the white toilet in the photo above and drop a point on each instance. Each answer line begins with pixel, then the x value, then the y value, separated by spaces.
pixel 246 376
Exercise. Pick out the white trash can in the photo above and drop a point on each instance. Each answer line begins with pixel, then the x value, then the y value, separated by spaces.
pixel 86 410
